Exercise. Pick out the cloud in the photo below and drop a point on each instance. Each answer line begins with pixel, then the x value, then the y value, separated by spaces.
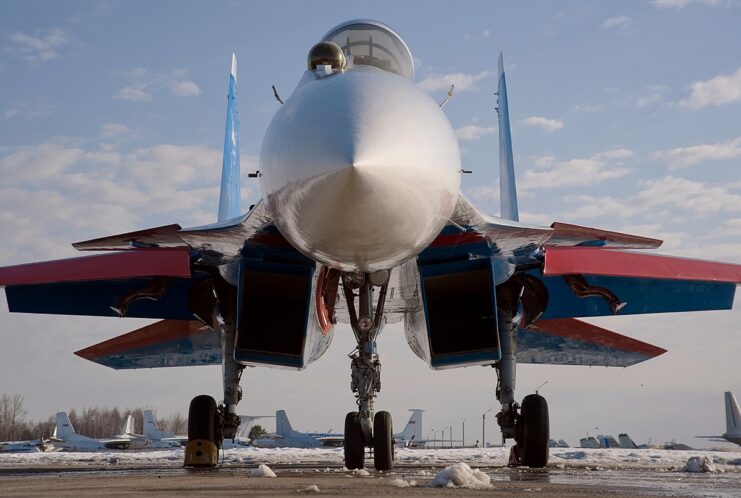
pixel 682 157
pixel 477 36
pixel 723 89
pixel 185 88
pixel 680 4
pixel 134 93
pixel 34 109
pixel 145 84
pixel 655 96
pixel 551 173
pixel 669 196
pixel 35 163
pixel 114 130
pixel 546 124
pixel 619 24
pixel 39 48
pixel 474 132
pixel 57 193
pixel 463 82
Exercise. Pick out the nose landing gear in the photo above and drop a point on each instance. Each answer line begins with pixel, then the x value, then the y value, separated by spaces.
pixel 362 428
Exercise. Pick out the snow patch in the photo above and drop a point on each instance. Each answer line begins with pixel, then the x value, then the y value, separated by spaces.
pixel 310 489
pixel 700 464
pixel 401 483
pixel 361 472
pixel 460 475
pixel 263 471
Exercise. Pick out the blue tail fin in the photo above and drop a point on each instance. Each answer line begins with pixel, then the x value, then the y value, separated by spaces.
pixel 507 188
pixel 230 189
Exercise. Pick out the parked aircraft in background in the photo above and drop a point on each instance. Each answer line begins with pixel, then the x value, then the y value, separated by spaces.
pixel 286 437
pixel 588 442
pixel 411 436
pixel 29 446
pixel 157 437
pixel 362 221
pixel 558 444
pixel 733 422
pixel 66 439
pixel 243 437
pixel 627 442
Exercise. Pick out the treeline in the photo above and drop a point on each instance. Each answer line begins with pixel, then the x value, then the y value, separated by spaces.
pixel 93 422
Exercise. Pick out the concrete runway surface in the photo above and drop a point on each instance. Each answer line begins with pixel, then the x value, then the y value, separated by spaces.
pixel 405 480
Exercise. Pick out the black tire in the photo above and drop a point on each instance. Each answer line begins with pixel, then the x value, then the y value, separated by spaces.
pixel 202 419
pixel 535 431
pixel 383 441
pixel 354 445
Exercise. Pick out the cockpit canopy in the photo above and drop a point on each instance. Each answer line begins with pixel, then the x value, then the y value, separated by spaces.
pixel 372 43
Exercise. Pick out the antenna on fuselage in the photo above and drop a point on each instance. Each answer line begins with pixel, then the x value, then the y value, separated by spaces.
pixel 277 97
pixel 447 97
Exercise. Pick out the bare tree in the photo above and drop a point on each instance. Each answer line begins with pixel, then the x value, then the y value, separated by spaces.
pixel 12 417
pixel 175 424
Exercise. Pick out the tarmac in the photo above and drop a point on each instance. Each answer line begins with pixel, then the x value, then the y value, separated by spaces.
pixel 404 480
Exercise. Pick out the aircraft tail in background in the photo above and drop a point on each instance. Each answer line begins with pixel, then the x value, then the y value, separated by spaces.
pixel 626 441
pixel 151 429
pixel 128 425
pixel 413 429
pixel 282 425
pixel 733 414
pixel 64 429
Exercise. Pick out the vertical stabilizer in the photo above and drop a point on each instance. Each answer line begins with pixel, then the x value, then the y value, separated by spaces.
pixel 733 414
pixel 413 429
pixel 63 429
pixel 507 188
pixel 149 423
pixel 230 188
pixel 282 425
pixel 247 421
pixel 128 425
pixel 627 442
pixel 151 429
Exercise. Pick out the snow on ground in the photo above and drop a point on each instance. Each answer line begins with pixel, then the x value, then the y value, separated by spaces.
pixel 561 458
pixel 460 475
pixel 262 471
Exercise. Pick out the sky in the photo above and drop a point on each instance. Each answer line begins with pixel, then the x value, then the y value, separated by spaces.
pixel 625 116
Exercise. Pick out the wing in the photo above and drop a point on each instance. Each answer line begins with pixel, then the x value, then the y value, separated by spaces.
pixel 215 244
pixel 583 282
pixel 168 343
pixel 564 272
pixel 574 342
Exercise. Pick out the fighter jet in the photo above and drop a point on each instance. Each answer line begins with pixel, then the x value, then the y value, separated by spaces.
pixel 362 221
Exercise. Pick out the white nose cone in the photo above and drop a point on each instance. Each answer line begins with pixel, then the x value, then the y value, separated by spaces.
pixel 360 170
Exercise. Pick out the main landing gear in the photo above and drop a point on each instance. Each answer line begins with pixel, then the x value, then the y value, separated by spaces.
pixel 528 424
pixel 362 428
pixel 209 424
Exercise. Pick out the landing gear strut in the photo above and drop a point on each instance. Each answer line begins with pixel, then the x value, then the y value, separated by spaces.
pixel 528 424
pixel 362 428
pixel 209 424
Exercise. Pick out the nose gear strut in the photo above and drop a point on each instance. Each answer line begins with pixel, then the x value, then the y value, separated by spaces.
pixel 363 428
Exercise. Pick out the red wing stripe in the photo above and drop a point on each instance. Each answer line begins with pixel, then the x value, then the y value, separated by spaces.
pixel 157 333
pixel 595 261
pixel 575 329
pixel 137 263
pixel 455 239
